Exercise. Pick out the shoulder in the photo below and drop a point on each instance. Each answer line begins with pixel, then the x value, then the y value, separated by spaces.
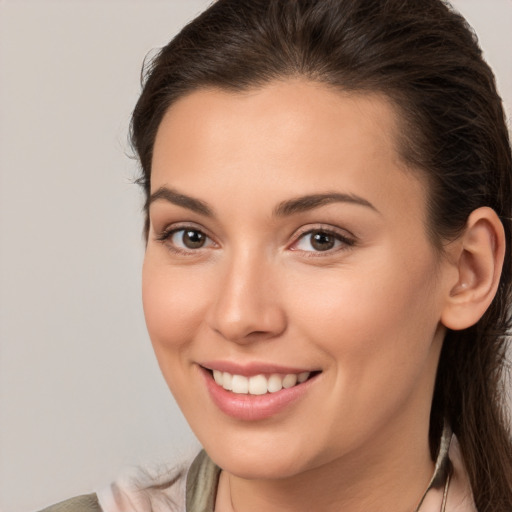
pixel 146 489
pixel 85 503
pixel 190 485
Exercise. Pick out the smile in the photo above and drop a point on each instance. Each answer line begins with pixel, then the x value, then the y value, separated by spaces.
pixel 257 393
pixel 258 384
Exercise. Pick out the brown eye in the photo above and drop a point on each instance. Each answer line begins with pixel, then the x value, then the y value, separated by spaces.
pixel 322 241
pixel 188 239
pixel 193 239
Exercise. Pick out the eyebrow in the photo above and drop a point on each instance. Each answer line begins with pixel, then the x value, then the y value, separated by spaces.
pixel 174 197
pixel 309 202
pixel 283 209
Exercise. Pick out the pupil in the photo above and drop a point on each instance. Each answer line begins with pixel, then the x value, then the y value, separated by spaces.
pixel 322 241
pixel 193 239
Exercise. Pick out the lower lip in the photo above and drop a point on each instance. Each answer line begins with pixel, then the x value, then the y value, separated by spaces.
pixel 253 407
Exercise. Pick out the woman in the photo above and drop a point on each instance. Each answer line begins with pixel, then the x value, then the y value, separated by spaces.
pixel 327 272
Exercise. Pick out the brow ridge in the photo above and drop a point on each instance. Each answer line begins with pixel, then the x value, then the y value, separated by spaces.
pixel 174 197
pixel 283 209
pixel 309 202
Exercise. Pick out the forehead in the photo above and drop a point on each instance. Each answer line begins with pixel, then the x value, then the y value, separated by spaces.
pixel 285 137
pixel 297 110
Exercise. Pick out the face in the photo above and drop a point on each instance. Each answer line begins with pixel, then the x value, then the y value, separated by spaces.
pixel 288 262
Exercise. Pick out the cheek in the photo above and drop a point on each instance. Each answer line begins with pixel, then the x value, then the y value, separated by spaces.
pixel 378 333
pixel 173 301
pixel 382 319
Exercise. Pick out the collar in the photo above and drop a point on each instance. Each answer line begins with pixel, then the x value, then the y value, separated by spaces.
pixel 202 481
pixel 442 469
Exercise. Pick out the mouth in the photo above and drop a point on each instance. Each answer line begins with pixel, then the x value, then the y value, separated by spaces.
pixel 259 384
pixel 257 392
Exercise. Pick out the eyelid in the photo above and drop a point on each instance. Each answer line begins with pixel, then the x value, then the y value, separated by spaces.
pixel 164 236
pixel 167 229
pixel 347 239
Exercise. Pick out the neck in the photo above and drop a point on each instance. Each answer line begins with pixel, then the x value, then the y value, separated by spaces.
pixel 392 479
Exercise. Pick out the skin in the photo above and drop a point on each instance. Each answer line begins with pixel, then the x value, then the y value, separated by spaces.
pixel 366 313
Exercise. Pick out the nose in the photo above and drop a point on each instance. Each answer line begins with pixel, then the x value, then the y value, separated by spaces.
pixel 247 306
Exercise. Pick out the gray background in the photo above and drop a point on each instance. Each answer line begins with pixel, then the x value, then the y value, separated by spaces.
pixel 81 396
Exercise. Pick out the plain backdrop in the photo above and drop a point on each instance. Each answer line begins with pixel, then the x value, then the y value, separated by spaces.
pixel 81 396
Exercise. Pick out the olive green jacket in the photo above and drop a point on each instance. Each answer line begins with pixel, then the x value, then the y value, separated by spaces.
pixel 201 489
pixel 85 503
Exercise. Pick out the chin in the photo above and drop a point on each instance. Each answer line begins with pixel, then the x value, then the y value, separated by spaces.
pixel 259 461
pixel 250 468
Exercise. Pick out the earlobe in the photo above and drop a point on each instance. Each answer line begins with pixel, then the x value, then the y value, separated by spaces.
pixel 479 263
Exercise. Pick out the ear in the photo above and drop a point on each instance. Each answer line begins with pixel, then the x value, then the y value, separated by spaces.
pixel 479 260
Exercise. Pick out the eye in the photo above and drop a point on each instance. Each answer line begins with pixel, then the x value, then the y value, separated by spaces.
pixel 185 239
pixel 188 239
pixel 321 240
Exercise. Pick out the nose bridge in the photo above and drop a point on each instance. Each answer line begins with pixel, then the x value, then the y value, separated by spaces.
pixel 247 306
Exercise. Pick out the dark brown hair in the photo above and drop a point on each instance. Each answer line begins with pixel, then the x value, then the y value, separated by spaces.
pixel 424 57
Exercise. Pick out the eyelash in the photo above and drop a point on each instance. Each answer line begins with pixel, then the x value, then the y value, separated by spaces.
pixel 168 233
pixel 343 240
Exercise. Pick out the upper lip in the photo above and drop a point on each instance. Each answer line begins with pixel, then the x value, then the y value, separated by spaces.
pixel 252 368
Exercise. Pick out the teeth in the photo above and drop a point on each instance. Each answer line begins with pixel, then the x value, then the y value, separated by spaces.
pixel 240 384
pixel 290 380
pixel 227 381
pixel 275 383
pixel 258 384
pixel 303 377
